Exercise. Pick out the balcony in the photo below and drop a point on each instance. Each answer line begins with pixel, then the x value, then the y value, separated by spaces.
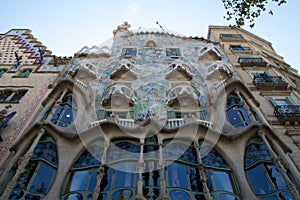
pixel 119 96
pixel 231 37
pixel 269 82
pixel 125 70
pixel 287 113
pixel 183 97
pixel 251 61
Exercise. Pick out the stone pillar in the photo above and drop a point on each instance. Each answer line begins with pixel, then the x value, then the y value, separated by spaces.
pixel 202 173
pixel 161 165
pixel 276 160
pixel 100 175
pixel 101 170
pixel 56 105
pixel 139 195
pixel 22 163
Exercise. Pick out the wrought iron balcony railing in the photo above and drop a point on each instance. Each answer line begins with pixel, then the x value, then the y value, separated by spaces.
pixel 287 113
pixel 250 61
pixel 231 37
pixel 270 82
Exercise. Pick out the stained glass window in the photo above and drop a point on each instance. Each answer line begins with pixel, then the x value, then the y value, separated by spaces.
pixel 121 171
pixel 123 150
pixel 82 178
pixel 220 180
pixel 266 181
pixel 65 113
pixel 36 180
pixel 236 113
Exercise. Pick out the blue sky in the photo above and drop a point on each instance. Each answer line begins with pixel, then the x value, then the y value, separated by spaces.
pixel 66 26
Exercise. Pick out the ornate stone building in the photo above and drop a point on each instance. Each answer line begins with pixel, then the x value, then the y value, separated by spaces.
pixel 163 116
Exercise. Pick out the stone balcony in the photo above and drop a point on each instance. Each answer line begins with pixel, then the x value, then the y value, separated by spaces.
pixel 288 114
pixel 168 123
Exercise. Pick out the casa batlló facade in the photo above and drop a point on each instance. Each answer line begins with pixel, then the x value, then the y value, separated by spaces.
pixel 162 116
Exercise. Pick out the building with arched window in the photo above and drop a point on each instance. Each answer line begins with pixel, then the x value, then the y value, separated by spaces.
pixel 161 116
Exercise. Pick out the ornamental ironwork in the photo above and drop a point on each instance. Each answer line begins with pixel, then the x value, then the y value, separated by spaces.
pixel 287 113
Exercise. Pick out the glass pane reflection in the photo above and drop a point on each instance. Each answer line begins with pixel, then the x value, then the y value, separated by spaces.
pixel 222 181
pixel 177 176
pixel 79 180
pixel 259 180
pixel 179 195
pixel 43 179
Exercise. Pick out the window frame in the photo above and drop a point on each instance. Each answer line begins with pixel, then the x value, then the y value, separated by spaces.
pixel 125 50
pixel 169 50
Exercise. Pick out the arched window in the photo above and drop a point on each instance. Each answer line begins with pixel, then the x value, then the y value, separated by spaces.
pixel 121 173
pixel 82 177
pixel 220 180
pixel 182 174
pixel 236 113
pixel 265 180
pixel 151 173
pixel 36 180
pixel 65 113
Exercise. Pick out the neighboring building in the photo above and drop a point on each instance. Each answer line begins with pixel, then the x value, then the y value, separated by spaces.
pixel 27 72
pixel 163 116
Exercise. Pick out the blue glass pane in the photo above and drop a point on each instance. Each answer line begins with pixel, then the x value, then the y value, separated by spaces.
pixel 270 198
pixel 226 197
pixel 234 117
pixel 222 181
pixel 16 194
pixel 85 160
pixel 211 157
pixel 75 196
pixel 179 195
pixel 125 174
pixel 259 180
pixel 244 116
pixel 123 150
pixel 42 179
pixel 67 115
pixel 209 181
pixel 122 194
pixel 56 114
pixel 177 176
pixel 276 177
pixel 256 151
pixel 93 180
pixel 47 151
pixel 286 196
pixel 32 197
pixel 79 180
pixel 179 151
